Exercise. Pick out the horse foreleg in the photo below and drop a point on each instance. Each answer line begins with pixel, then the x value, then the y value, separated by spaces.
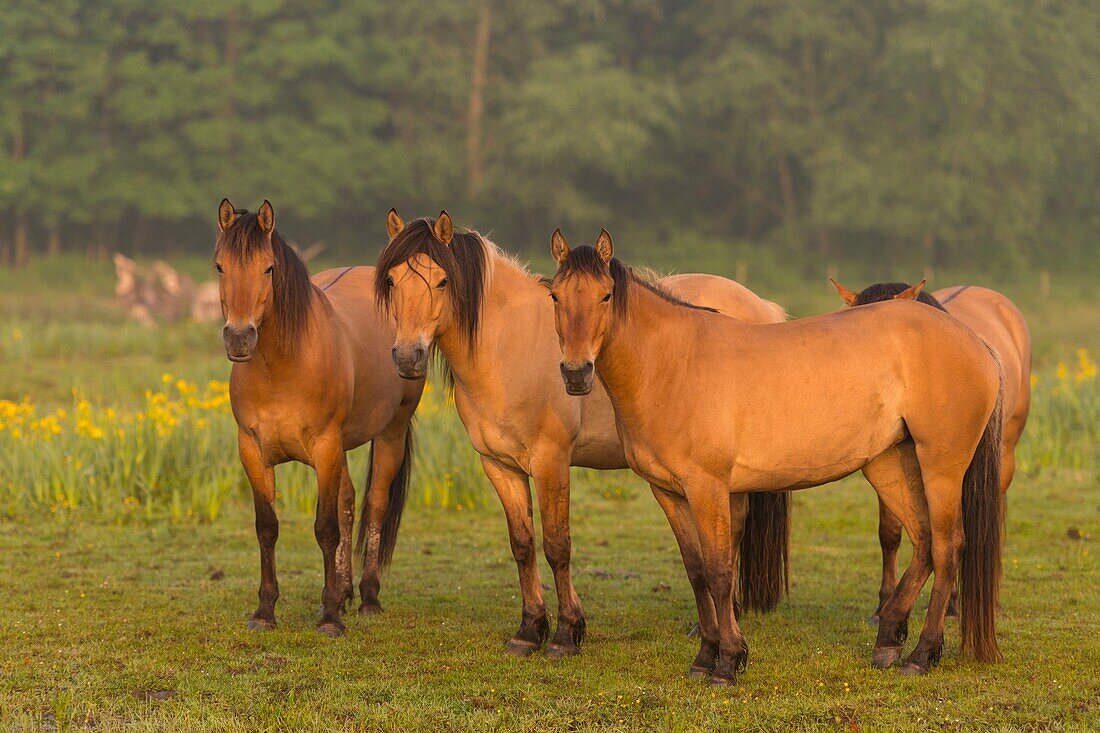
pixel 262 479
pixel 710 508
pixel 552 489
pixel 515 495
pixel 331 465
pixel 683 526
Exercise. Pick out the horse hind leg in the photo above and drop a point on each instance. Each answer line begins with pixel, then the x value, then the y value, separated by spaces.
pixel 889 538
pixel 895 475
pixel 331 466
pixel 944 492
pixel 679 517
pixel 386 457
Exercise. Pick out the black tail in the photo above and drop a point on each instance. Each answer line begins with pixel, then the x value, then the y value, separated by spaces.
pixel 983 522
pixel 399 489
pixel 765 544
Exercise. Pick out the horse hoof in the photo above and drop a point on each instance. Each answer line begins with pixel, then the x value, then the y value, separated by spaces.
pixel 369 609
pixel 331 630
pixel 873 621
pixel 561 651
pixel 697 672
pixel 521 648
pixel 909 669
pixel 885 656
pixel 260 624
pixel 716 681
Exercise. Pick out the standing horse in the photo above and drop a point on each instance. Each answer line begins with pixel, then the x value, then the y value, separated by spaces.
pixel 492 322
pixel 1001 325
pixel 310 382
pixel 708 406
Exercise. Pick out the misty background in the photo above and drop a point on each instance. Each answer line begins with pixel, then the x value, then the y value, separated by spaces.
pixel 790 133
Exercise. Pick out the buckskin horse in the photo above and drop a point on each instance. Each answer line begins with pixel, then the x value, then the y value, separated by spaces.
pixel 998 321
pixel 492 323
pixel 708 406
pixel 310 381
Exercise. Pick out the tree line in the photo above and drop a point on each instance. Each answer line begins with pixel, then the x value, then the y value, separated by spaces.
pixel 963 131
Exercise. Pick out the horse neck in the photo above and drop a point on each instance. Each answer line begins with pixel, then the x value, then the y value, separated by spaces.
pixel 270 357
pixel 639 342
pixel 509 293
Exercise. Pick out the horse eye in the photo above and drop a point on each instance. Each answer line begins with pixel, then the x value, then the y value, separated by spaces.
pixel 606 298
pixel 269 270
pixel 553 297
pixel 442 284
pixel 219 268
pixel 389 282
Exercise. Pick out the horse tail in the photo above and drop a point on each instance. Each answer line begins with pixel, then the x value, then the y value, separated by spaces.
pixel 983 526
pixel 765 545
pixel 399 489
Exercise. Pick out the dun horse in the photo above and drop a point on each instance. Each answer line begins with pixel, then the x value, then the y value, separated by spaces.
pixel 309 382
pixel 492 323
pixel 1000 324
pixel 708 406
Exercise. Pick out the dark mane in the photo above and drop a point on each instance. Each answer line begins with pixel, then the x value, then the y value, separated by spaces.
pixel 465 260
pixel 292 290
pixel 583 260
pixel 886 291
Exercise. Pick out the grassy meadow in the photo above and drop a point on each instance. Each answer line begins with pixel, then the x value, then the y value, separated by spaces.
pixel 128 561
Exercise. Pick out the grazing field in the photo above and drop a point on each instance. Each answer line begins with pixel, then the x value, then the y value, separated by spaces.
pixel 128 563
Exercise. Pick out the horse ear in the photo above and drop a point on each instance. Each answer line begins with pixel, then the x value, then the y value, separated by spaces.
pixel 559 248
pixel 444 228
pixel 604 248
pixel 266 217
pixel 847 295
pixel 394 223
pixel 911 293
pixel 226 215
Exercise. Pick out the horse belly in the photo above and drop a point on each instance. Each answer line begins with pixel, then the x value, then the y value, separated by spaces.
pixel 813 457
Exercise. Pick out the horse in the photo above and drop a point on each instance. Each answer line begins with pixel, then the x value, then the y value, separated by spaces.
pixel 709 406
pixel 307 384
pixel 456 293
pixel 1000 324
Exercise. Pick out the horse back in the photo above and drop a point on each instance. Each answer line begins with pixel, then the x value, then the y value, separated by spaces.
pixel 998 321
pixel 727 296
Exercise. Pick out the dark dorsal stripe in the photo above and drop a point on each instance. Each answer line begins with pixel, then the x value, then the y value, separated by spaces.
pixel 955 294
pixel 337 278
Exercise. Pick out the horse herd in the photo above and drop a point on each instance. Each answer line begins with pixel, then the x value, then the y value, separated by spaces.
pixel 704 389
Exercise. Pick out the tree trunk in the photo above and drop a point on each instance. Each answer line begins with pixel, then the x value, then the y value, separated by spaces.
pixel 476 110
pixel 786 185
pixel 22 254
pixel 53 243
pixel 18 256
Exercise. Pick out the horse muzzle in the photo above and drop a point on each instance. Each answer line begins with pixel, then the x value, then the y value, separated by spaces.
pixel 240 341
pixel 578 379
pixel 411 360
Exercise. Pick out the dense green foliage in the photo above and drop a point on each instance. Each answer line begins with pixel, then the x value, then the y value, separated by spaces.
pixel 932 132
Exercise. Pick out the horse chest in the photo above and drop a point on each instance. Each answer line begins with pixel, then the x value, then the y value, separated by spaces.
pixel 494 434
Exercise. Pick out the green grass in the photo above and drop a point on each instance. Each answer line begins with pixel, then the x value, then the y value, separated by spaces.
pixel 97 616
pixel 93 618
